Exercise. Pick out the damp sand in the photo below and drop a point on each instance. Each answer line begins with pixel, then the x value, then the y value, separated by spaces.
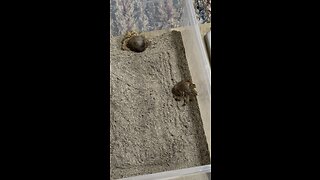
pixel 150 132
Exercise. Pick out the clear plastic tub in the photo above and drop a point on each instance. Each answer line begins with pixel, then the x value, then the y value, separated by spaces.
pixel 185 21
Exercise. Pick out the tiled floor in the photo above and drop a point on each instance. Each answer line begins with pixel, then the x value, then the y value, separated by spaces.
pixel 151 15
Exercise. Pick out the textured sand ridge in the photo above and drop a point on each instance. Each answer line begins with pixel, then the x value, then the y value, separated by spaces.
pixel 150 131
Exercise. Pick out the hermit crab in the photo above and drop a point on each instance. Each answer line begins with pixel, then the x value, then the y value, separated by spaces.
pixel 184 90
pixel 134 42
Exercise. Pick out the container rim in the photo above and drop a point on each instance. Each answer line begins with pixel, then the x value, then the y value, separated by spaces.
pixel 173 173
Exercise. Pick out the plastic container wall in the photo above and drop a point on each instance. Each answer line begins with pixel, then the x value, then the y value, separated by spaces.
pixel 195 173
pixel 199 66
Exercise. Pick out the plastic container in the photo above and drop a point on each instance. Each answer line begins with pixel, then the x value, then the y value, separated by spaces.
pixel 185 21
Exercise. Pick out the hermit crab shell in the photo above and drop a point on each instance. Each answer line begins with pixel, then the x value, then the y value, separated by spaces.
pixel 137 43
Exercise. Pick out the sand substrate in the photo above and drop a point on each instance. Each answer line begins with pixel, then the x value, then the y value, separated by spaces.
pixel 150 131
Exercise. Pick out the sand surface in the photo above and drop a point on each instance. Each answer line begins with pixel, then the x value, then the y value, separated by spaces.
pixel 150 131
